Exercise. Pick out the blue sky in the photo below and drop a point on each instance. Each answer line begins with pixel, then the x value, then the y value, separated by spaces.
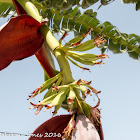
pixel 118 80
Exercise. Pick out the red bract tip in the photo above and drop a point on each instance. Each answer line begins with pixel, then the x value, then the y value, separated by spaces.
pixel 84 35
pixel 64 35
pixel 75 44
pixel 55 88
pixel 99 92
pixel 34 93
pixel 102 56
pixel 37 90
pixel 88 31
pixel 94 90
pixel 88 92
pixel 97 103
pixel 84 96
pixel 33 104
pixel 87 82
pixel 20 38
pixel 47 107
pixel 54 113
pixel 99 62
pixel 38 109
pixel 79 82
pixel 86 69
pixel 69 100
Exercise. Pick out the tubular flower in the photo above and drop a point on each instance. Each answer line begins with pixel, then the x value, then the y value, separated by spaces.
pixel 20 38
pixel 68 130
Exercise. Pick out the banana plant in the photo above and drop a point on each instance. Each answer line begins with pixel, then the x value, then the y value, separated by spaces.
pixel 32 36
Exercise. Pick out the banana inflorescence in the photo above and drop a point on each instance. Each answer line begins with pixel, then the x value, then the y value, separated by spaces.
pixel 71 96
